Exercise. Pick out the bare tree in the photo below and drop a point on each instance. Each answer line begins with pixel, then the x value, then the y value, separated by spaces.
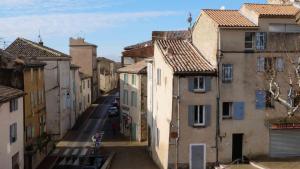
pixel 286 42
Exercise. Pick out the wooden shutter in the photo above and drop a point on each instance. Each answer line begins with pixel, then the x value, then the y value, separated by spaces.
pixel 238 110
pixel 260 99
pixel 207 83
pixel 207 115
pixel 191 84
pixel 191 111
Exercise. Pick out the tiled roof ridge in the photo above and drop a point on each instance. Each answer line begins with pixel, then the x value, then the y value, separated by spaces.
pixel 267 4
pixel 220 9
pixel 47 49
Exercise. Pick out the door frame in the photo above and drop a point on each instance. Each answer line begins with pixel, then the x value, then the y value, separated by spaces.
pixel 204 155
pixel 242 146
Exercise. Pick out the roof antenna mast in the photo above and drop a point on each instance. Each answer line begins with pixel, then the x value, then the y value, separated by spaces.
pixel 40 41
pixel 190 20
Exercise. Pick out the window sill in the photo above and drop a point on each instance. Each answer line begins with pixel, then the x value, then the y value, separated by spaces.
pixel 227 81
pixel 227 118
pixel 199 91
pixel 199 126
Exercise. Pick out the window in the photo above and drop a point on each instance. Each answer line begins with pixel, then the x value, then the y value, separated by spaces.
pixel 158 76
pixel 13 132
pixel 227 109
pixel 29 132
pixel 199 115
pixel 133 79
pixel 199 83
pixel 15 161
pixel 227 73
pixel 269 100
pixel 83 84
pixel 133 99
pixel 269 64
pixel 42 124
pixel 249 40
pixel 13 105
pixel 126 78
pixel 279 64
pixel 125 97
pixel 261 40
pixel 260 64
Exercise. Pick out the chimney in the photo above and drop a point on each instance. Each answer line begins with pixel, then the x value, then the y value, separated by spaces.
pixel 281 2
pixel 41 43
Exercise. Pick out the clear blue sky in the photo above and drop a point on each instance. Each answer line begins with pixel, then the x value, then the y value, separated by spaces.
pixel 110 24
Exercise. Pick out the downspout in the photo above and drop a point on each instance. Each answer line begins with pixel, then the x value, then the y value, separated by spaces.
pixel 218 57
pixel 59 92
pixel 178 121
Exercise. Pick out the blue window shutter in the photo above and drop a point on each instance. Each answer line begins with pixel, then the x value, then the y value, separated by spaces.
pixel 191 84
pixel 207 115
pixel 208 83
pixel 260 99
pixel 238 110
pixel 191 115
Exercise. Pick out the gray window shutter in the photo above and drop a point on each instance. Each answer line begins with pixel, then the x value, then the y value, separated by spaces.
pixel 238 110
pixel 260 99
pixel 279 64
pixel 265 40
pixel 207 115
pixel 191 115
pixel 260 64
pixel 191 84
pixel 208 83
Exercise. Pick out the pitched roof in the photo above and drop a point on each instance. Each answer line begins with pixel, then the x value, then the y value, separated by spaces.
pixel 229 18
pixel 183 57
pixel 179 35
pixel 8 93
pixel 84 76
pixel 7 60
pixel 273 9
pixel 139 45
pixel 26 48
pixel 137 68
pixel 104 59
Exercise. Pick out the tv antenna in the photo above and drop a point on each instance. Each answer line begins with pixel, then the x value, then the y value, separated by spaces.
pixel 190 19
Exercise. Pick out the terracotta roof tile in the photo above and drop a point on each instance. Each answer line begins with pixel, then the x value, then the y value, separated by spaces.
pixel 139 67
pixel 183 57
pixel 26 48
pixel 8 93
pixel 229 18
pixel 273 9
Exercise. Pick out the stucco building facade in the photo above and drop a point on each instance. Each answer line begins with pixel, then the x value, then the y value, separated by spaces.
pixel 11 128
pixel 107 74
pixel 238 111
pixel 133 101
pixel 57 83
pixel 84 54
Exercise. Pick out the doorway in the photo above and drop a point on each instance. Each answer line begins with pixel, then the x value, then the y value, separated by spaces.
pixel 237 146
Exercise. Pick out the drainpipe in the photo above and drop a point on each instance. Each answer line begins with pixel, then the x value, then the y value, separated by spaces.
pixel 218 57
pixel 178 121
pixel 59 92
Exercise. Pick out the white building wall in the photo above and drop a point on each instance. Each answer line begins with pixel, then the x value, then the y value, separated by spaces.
pixel 7 150
pixel 57 86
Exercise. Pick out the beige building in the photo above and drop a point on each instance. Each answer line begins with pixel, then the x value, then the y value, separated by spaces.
pixel 11 128
pixel 225 123
pixel 133 100
pixel 107 74
pixel 84 55
pixel 85 92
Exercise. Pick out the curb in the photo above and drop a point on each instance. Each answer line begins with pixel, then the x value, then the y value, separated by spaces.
pixel 257 166
pixel 107 163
